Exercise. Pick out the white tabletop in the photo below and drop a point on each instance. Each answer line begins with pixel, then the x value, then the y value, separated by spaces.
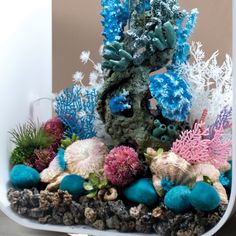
pixel 9 228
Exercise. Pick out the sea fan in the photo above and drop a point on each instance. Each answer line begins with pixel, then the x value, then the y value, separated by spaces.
pixel 224 120
pixel 194 147
pixel 76 109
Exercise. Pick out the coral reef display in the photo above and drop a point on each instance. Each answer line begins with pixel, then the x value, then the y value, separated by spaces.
pixel 144 145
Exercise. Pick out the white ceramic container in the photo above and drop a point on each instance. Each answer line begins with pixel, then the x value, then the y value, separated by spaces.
pixel 26 76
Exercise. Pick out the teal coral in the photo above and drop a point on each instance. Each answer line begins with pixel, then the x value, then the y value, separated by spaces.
pixel 116 57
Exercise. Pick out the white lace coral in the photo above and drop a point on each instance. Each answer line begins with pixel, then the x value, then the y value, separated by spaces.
pixel 210 83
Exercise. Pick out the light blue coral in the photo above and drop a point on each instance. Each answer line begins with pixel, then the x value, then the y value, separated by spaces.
pixel 172 94
pixel 184 32
pixel 76 109
pixel 116 15
pixel 120 103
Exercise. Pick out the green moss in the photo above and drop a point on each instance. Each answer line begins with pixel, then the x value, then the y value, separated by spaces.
pixel 27 138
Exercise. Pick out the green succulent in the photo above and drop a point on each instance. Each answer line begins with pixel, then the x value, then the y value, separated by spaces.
pixel 27 138
pixel 67 141
pixel 207 180
pixel 94 184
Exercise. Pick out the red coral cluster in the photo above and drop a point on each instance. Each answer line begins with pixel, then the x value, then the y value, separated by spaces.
pixel 41 158
pixel 122 166
pixel 55 129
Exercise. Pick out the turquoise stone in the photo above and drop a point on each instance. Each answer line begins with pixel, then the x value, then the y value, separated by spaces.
pixel 228 175
pixel 177 199
pixel 73 184
pixel 204 197
pixel 141 191
pixel 22 176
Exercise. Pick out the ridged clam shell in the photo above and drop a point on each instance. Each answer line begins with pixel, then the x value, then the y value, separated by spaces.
pixel 214 174
pixel 85 156
pixel 175 168
pixel 82 158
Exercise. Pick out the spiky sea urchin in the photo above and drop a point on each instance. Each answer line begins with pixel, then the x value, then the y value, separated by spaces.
pixel 122 166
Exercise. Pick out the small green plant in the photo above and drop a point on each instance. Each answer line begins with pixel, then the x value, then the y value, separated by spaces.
pixel 94 184
pixel 27 138
pixel 149 156
pixel 67 141
pixel 207 180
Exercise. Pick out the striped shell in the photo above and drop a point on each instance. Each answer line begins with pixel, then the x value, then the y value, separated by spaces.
pixel 214 174
pixel 171 166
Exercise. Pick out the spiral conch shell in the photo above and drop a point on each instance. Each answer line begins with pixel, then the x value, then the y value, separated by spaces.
pixel 171 166
pixel 214 174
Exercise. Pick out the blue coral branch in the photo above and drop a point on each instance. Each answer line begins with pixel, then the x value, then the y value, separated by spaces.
pixel 116 15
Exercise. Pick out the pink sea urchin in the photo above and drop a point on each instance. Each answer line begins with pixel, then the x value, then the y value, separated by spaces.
pixel 122 165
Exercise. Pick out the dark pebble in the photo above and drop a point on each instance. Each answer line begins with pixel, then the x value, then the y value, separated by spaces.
pixel 58 208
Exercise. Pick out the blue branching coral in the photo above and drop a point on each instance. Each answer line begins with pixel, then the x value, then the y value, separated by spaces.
pixel 76 109
pixel 172 94
pixel 183 34
pixel 116 15
pixel 120 103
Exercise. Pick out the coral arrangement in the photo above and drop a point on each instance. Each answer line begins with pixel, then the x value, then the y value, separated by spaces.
pixel 145 146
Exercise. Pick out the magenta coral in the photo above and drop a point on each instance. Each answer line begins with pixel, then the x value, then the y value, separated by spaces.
pixel 194 147
pixel 122 166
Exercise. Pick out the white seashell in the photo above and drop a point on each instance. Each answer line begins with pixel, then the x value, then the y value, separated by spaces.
pixel 171 166
pixel 206 170
pixel 221 191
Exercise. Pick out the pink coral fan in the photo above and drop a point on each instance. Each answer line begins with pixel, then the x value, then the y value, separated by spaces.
pixel 194 147
pixel 122 166
pixel 55 129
